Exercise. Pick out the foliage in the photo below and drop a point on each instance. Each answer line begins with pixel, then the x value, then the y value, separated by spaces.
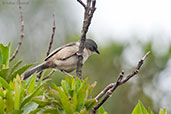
pixel 6 71
pixel 31 97
pixel 140 109
pixel 73 96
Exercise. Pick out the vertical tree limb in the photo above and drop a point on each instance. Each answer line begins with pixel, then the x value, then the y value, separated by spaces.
pixel 88 14
pixel 21 32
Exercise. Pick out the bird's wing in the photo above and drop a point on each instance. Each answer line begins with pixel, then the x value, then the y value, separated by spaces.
pixel 64 52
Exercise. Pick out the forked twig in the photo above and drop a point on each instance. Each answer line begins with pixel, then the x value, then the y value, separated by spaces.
pixel 112 87
pixel 21 34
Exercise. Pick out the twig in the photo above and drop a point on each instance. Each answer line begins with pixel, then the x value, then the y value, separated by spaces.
pixel 112 87
pixel 88 14
pixel 82 3
pixel 21 34
pixel 50 46
pixel 46 77
pixel 52 36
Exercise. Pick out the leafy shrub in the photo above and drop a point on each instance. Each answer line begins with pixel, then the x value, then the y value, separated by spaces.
pixel 31 97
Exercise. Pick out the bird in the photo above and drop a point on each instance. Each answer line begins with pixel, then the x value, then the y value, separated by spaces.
pixel 64 58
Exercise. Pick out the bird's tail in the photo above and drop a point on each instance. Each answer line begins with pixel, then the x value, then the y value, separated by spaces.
pixel 37 68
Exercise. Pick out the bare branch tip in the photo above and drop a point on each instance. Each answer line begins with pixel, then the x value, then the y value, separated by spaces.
pixel 82 3
pixel 146 55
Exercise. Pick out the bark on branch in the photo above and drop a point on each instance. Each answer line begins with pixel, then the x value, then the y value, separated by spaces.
pixel 88 14
pixel 108 90
pixel 21 32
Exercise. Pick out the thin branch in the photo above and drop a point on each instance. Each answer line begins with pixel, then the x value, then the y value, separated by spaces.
pixel 52 36
pixel 50 46
pixel 21 32
pixel 50 74
pixel 112 87
pixel 88 14
pixel 82 3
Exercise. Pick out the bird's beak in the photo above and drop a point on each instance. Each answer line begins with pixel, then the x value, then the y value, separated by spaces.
pixel 97 51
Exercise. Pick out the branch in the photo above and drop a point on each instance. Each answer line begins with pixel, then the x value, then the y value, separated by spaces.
pixel 21 34
pixel 82 3
pixel 88 14
pixel 112 87
pixel 49 48
pixel 52 36
pixel 50 74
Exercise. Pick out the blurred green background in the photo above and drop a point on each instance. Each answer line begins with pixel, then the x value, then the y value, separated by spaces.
pixel 151 85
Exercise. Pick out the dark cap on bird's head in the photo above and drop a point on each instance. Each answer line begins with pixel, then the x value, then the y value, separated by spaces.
pixel 91 45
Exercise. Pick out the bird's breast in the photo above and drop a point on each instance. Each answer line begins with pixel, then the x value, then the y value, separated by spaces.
pixel 67 65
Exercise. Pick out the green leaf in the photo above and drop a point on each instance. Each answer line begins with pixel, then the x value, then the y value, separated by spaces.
pixel 150 111
pixel 90 87
pixel 4 83
pixel 139 109
pixel 4 72
pixel 40 101
pixel 5 53
pixel 17 97
pixel 82 96
pixel 17 112
pixel 2 106
pixel 29 107
pixel 0 60
pixel 65 102
pixel 163 111
pixel 10 101
pixel 19 71
pixel 65 87
pixel 32 83
pixel 2 92
pixel 102 111
pixel 84 111
pixel 15 67
pixel 90 103
pixel 37 92
pixel 51 111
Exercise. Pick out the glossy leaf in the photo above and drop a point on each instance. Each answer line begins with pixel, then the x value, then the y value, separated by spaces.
pixel 29 107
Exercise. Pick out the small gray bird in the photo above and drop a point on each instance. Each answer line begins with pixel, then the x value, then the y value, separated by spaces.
pixel 64 58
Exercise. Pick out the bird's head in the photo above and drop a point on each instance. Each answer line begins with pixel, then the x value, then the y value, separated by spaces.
pixel 91 45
